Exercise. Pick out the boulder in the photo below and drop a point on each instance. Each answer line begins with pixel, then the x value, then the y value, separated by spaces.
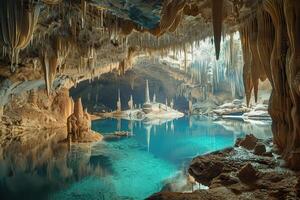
pixel 247 173
pixel 259 149
pixel 248 142
pixel 205 169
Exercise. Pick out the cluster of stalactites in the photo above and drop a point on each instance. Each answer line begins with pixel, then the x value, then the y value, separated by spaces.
pixel 17 23
pixel 270 41
pixel 83 29
pixel 253 68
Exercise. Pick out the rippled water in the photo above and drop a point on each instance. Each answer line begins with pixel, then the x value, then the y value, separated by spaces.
pixel 127 168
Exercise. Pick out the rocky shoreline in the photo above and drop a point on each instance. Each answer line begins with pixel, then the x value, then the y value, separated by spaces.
pixel 249 170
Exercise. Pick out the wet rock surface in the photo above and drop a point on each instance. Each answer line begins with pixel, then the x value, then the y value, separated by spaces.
pixel 238 173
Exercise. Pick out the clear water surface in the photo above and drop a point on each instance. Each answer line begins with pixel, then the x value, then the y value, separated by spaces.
pixel 128 168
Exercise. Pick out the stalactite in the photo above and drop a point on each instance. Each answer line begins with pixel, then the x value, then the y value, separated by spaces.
pixel 248 84
pixel 265 39
pixel 257 70
pixel 17 22
pixel 217 18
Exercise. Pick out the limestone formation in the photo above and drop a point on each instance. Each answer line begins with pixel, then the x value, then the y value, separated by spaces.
pixel 17 22
pixel 57 40
pixel 79 125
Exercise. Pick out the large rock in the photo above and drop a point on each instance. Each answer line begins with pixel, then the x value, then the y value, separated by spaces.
pixel 259 149
pixel 248 142
pixel 247 173
pixel 206 168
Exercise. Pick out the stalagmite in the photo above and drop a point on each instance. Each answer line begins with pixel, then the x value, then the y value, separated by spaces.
pixel 78 108
pixel 217 18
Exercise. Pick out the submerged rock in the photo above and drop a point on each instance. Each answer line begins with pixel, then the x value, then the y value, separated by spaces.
pixel 238 173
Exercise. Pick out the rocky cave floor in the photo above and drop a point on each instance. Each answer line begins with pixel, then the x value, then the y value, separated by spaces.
pixel 250 170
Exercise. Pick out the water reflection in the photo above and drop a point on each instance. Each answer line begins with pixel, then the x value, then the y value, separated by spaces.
pixel 35 167
pixel 38 166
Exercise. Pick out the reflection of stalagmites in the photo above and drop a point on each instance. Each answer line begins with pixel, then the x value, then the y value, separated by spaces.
pixel 217 18
pixel 190 107
pixel 17 23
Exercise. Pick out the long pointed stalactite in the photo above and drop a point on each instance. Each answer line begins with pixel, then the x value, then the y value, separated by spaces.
pixel 217 19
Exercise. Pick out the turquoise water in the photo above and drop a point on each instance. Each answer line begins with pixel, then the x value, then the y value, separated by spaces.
pixel 128 168
pixel 141 164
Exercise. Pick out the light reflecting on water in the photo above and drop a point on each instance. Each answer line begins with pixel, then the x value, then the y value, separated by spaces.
pixel 127 168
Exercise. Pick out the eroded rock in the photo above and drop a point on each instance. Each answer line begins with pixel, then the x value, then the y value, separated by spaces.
pixel 79 126
pixel 247 173
pixel 259 149
pixel 244 174
pixel 248 142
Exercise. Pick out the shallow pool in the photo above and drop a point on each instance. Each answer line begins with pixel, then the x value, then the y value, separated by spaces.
pixel 128 168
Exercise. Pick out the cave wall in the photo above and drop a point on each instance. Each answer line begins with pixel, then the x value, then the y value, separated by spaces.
pixel 270 41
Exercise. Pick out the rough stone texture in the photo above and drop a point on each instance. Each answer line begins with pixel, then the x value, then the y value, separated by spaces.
pixel 248 142
pixel 259 149
pixel 79 126
pixel 247 173
pixel 102 39
pixel 243 175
